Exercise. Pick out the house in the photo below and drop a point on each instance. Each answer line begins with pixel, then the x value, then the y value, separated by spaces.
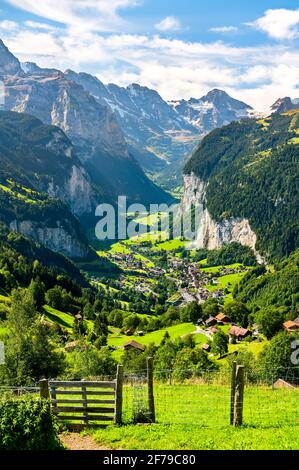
pixel 134 345
pixel 213 330
pixel 221 318
pixel 238 332
pixel 206 347
pixel 291 326
pixel 211 321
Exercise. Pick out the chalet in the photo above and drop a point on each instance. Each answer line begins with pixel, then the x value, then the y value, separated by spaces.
pixel 206 347
pixel 213 330
pixel 134 345
pixel 238 333
pixel 211 321
pixel 291 326
pixel 221 318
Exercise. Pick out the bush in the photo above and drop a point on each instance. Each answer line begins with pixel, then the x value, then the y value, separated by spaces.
pixel 27 424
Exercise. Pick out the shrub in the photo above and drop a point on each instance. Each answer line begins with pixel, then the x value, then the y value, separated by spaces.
pixel 27 424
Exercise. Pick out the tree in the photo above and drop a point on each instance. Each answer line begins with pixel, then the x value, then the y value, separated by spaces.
pixel 220 343
pixel 37 290
pixel 171 316
pixel 87 362
pixel 237 312
pixel 191 362
pixel 210 308
pixel 131 322
pixel 279 358
pixel 31 353
pixel 164 360
pixel 191 312
pixel 270 321
pixel 165 338
pixel 58 298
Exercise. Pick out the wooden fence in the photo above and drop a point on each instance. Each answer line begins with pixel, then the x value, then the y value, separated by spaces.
pixel 86 402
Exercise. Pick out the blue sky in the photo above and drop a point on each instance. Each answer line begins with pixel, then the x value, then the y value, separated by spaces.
pixel 182 48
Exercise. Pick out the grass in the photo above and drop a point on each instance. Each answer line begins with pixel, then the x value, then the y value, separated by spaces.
pixel 155 337
pixel 196 417
pixel 5 300
pixel 294 141
pixel 64 319
pixel 254 347
pixel 170 245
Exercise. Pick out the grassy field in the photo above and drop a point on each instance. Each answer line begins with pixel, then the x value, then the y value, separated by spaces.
pixel 170 245
pixel 154 337
pixel 63 319
pixel 191 417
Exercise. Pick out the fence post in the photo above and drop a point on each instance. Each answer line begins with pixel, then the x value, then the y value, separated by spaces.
pixel 239 396
pixel 44 389
pixel 233 392
pixel 150 387
pixel 119 394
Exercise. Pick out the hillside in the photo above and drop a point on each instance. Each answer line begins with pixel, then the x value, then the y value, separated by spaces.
pixel 277 287
pixel 247 177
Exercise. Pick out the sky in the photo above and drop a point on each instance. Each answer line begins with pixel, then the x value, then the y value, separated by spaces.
pixel 181 48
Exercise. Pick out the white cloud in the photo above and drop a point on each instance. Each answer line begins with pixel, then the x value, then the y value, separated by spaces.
pixel 7 25
pixel 170 23
pixel 176 68
pixel 279 24
pixel 224 29
pixel 97 15
pixel 37 25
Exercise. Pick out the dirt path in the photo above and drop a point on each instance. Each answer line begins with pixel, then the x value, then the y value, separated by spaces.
pixel 74 441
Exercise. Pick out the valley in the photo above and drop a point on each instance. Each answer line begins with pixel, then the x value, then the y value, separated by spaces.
pixel 75 306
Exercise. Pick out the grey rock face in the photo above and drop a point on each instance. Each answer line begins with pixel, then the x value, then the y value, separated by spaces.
pixel 212 234
pixel 57 238
pixel 9 64
pixel 284 104
pixel 213 110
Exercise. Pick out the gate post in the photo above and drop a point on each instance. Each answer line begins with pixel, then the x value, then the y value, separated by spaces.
pixel 119 394
pixel 44 389
pixel 239 396
pixel 233 392
pixel 150 385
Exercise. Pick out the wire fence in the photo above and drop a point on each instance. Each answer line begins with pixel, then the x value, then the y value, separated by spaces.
pixel 204 399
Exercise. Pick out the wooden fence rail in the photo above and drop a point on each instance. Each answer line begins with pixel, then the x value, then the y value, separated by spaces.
pixel 87 402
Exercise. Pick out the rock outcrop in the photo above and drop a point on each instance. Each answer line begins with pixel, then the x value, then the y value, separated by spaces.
pixel 213 234
pixel 57 238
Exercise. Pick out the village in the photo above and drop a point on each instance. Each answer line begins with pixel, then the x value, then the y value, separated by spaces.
pixel 193 283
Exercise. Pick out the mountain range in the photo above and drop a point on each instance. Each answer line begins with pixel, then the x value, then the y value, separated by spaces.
pixel 68 142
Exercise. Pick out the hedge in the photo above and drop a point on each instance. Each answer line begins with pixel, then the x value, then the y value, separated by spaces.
pixel 27 424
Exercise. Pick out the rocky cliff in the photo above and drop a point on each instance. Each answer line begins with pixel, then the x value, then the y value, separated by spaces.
pixel 213 234
pixel 245 175
pixel 59 239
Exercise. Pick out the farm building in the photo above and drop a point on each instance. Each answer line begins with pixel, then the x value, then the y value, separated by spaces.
pixel 238 333
pixel 134 345
pixel 221 318
pixel 211 321
pixel 291 326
